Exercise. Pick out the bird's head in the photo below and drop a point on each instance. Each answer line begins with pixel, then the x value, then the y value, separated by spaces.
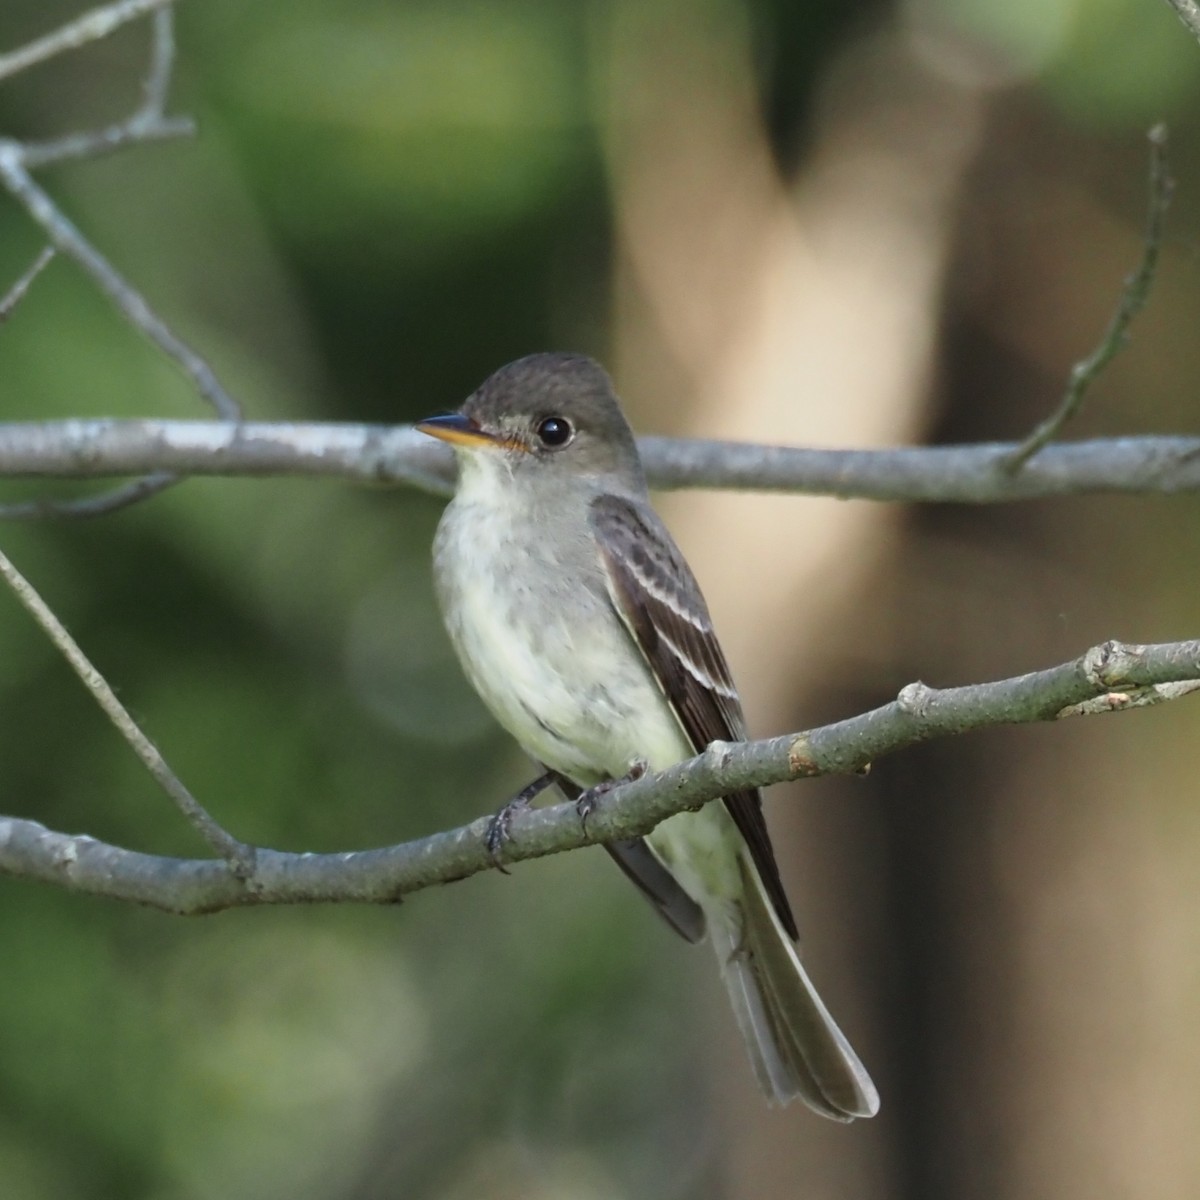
pixel 550 415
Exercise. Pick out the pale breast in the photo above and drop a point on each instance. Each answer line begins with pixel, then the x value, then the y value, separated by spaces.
pixel 544 649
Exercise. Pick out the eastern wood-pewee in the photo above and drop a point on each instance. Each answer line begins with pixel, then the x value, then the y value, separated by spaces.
pixel 580 624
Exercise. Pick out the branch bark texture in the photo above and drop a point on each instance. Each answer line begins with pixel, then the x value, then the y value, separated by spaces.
pixel 1188 11
pixel 977 474
pixel 1111 677
pixel 91 27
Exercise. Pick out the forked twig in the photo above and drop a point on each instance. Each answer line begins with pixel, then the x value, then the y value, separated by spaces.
pixel 91 27
pixel 149 122
pixel 131 303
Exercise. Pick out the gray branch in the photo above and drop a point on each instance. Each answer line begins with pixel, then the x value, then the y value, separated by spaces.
pixel 149 122
pixel 88 449
pixel 1109 678
pixel 1134 294
pixel 239 857
pixel 91 27
pixel 20 289
pixel 1188 11
pixel 64 236
pixel 1119 676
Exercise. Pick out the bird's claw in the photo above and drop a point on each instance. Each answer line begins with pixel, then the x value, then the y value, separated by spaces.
pixel 499 830
pixel 587 802
pixel 500 826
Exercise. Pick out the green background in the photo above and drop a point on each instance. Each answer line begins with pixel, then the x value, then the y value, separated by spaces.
pixel 386 201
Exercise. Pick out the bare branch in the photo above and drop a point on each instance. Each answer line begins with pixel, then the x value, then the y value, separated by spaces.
pixel 391 454
pixel 926 474
pixel 124 496
pixel 128 300
pixel 16 293
pixel 1139 697
pixel 149 123
pixel 1188 11
pixel 91 27
pixel 237 855
pixel 82 864
pixel 1134 294
pixel 93 143
pixel 96 448
pixel 157 84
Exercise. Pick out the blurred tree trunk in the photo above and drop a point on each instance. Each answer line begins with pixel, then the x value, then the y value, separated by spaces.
pixel 1043 882
pixel 1000 923
pixel 805 314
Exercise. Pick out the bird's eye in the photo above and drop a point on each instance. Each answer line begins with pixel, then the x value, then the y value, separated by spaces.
pixel 554 432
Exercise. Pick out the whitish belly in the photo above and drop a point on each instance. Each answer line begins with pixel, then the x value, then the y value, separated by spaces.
pixel 701 850
pixel 563 677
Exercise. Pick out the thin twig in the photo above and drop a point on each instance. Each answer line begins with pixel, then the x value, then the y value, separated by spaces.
pixel 1134 293
pixel 149 123
pixel 92 143
pixel 1139 697
pixel 16 293
pixel 1188 11
pixel 240 857
pixel 383 876
pixel 91 27
pixel 133 306
pixel 125 496
pixel 157 85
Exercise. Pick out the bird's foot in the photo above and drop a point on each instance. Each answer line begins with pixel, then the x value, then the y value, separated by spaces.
pixel 499 828
pixel 586 802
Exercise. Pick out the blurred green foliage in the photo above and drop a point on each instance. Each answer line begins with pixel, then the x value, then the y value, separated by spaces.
pixel 383 204
pixel 386 201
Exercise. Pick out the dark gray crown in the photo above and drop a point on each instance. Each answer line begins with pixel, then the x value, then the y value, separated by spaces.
pixel 518 397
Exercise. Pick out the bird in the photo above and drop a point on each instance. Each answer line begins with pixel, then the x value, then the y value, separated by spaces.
pixel 580 624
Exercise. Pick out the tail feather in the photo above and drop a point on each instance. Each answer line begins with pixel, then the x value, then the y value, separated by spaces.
pixel 796 1048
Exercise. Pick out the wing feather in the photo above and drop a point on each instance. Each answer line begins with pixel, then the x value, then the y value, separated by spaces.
pixel 657 598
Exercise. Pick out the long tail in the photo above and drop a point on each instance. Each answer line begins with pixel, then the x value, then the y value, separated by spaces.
pixel 796 1048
